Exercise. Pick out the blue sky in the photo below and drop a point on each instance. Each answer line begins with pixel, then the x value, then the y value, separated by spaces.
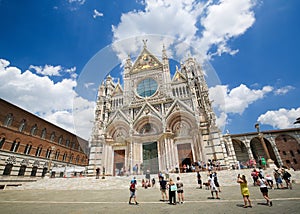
pixel 47 49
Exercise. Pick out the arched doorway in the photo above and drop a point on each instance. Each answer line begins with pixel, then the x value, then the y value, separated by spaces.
pixel 258 150
pixel 45 169
pixel 8 169
pixel 33 171
pixel 240 151
pixel 22 170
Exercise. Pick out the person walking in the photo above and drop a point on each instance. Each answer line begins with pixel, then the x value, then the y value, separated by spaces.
pixel 132 189
pixel 179 185
pixel 172 192
pixel 199 180
pixel 244 190
pixel 262 183
pixel 213 188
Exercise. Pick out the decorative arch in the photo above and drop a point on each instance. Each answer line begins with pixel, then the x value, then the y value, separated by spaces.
pixel 148 125
pixel 180 123
pixel 258 150
pixel 241 150
pixel 118 130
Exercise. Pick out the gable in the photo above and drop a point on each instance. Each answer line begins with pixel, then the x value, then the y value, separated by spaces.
pixel 146 61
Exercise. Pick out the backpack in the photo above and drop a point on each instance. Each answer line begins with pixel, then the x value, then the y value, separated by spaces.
pixel 132 187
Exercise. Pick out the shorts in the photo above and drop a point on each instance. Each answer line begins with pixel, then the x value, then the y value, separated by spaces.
pixel 163 190
pixel 132 194
pixel 279 180
pixel 179 191
pixel 264 189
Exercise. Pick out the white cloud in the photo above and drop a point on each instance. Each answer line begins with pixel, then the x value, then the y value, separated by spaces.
pixel 75 4
pixel 237 99
pixel 198 24
pixel 283 90
pixel 47 70
pixel 96 14
pixel 41 96
pixel 282 118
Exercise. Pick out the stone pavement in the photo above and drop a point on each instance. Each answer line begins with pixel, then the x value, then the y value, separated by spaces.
pixel 110 195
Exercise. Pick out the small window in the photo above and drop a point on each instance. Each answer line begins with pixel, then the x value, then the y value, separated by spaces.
pixel 8 120
pixel 22 125
pixel 295 161
pixel 292 153
pixel 56 155
pixel 288 161
pixel 283 152
pixel 38 151
pixel 65 157
pixel 22 170
pixel 298 150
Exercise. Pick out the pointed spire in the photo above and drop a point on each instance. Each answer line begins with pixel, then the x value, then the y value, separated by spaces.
pixel 164 52
pixel 128 63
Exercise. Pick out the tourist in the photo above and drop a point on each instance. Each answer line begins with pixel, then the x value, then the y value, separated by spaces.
pixel 244 190
pixel 269 179
pixel 262 183
pixel 263 163
pixel 216 181
pixel 199 180
pixel 213 188
pixel 97 173
pixel 172 192
pixel 153 182
pixel 179 186
pixel 278 179
pixel 163 188
pixel 254 175
pixel 132 189
pixel 287 178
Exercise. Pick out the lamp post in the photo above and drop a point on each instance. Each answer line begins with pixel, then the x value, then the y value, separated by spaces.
pixel 263 143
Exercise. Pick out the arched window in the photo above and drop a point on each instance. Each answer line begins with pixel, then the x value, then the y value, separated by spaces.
pixel 22 170
pixel 14 147
pixel 33 129
pixel 8 120
pixel 67 143
pixel 73 145
pixel 56 155
pixel 65 156
pixel 22 125
pixel 71 158
pixel 38 151
pixel 8 169
pixel 27 149
pixel 44 132
pixel 60 139
pixel 48 153
pixel 52 137
pixel 77 159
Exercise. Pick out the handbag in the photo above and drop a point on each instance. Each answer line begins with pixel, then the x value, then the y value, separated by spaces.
pixel 173 188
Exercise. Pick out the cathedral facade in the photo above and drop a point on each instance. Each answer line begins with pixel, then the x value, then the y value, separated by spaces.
pixel 154 121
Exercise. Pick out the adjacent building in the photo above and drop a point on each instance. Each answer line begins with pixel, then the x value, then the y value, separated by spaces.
pixel 32 147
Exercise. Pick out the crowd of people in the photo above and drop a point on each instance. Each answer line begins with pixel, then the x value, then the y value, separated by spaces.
pixel 172 191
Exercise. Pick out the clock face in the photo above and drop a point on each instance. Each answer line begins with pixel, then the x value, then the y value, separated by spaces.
pixel 147 87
